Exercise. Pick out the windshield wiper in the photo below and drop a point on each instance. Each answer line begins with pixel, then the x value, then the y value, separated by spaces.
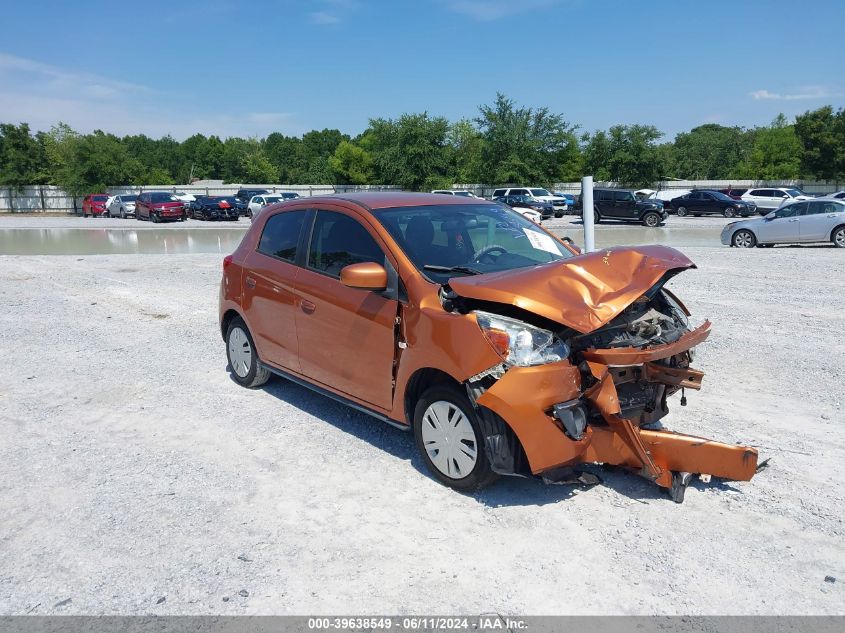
pixel 452 269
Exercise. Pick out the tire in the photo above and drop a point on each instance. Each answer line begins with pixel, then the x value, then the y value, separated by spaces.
pixel 122 213
pixel 651 220
pixel 184 217
pixel 729 213
pixel 681 212
pixel 462 462
pixel 154 218
pixel 243 359
pixel 838 237
pixel 743 239
pixel 558 214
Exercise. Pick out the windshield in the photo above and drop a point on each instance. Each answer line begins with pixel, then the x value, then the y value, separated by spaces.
pixel 128 198
pixel 99 198
pixel 483 237
pixel 163 197
pixel 539 192
pixel 271 199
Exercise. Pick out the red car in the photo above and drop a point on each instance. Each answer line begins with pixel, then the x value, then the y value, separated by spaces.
pixel 94 204
pixel 158 206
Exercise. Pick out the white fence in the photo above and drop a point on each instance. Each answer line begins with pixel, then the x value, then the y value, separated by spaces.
pixel 49 199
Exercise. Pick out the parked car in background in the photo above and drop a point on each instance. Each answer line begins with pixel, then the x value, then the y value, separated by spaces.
pixel 768 198
pixel 736 194
pixel 622 204
pixel 256 203
pixel 455 319
pixel 187 198
pixel 243 196
pixel 538 193
pixel 518 202
pixel 455 192
pixel 664 196
pixel 122 205
pixel 817 220
pixel 839 195
pixel 214 208
pixel 158 206
pixel 94 205
pixel 700 202
pixel 570 202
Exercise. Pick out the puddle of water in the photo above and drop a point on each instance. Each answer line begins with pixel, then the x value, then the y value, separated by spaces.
pixel 639 236
pixel 117 241
pixel 109 241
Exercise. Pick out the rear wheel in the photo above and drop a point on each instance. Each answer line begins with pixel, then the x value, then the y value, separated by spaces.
pixel 122 213
pixel 681 212
pixel 243 360
pixel 744 239
pixel 838 237
pixel 449 439
pixel 651 219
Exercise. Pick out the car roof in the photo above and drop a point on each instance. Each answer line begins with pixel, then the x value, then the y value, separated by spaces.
pixel 375 200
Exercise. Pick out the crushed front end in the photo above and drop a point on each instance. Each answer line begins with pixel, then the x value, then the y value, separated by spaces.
pixel 605 399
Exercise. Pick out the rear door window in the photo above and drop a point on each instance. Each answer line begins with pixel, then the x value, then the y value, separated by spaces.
pixel 281 235
pixel 339 240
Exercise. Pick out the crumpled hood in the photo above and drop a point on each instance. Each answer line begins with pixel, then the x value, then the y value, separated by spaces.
pixel 584 292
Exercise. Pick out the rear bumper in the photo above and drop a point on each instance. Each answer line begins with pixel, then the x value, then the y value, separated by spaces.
pixel 525 397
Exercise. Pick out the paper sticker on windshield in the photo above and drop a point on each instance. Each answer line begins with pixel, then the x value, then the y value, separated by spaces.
pixel 542 241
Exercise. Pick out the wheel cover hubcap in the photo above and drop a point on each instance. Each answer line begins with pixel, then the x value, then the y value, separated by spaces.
pixel 840 237
pixel 240 352
pixel 449 439
pixel 743 239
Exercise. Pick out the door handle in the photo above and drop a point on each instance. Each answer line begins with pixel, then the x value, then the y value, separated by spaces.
pixel 307 307
pixel 832 215
pixel 250 282
pixel 794 220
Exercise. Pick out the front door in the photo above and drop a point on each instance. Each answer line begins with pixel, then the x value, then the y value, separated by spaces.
pixel 783 227
pixel 346 335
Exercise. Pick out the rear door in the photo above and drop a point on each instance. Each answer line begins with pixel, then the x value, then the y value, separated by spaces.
pixel 346 335
pixel 708 203
pixel 821 217
pixel 270 302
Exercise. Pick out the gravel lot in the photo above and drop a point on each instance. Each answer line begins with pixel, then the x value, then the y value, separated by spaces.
pixel 136 477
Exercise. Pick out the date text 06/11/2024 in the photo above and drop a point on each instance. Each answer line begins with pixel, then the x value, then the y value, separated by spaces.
pixel 422 623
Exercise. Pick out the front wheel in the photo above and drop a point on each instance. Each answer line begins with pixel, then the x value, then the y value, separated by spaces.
pixel 651 219
pixel 838 237
pixel 744 239
pixel 681 212
pixel 449 439
pixel 729 213
pixel 243 360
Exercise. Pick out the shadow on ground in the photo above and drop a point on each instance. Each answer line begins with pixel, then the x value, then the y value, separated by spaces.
pixel 508 491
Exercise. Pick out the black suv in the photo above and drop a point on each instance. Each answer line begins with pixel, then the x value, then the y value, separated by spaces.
pixel 243 197
pixel 622 204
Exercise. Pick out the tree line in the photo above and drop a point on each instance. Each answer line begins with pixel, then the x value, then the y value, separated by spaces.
pixel 504 143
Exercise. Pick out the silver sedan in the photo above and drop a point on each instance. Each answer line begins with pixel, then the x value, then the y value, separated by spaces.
pixel 819 220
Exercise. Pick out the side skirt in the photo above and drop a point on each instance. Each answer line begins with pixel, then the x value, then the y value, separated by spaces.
pixel 338 398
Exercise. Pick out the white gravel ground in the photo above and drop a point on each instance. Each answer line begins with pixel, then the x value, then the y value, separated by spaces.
pixel 136 477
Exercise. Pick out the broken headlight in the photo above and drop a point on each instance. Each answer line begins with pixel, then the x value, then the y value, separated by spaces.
pixel 518 343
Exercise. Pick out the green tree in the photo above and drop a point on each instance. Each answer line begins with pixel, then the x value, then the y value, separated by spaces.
pixel 466 152
pixel 709 152
pixel 351 164
pixel 410 151
pixel 627 154
pixel 776 154
pixel 524 144
pixel 23 158
pixel 822 136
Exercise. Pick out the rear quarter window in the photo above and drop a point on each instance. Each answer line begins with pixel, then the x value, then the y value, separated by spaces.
pixel 280 235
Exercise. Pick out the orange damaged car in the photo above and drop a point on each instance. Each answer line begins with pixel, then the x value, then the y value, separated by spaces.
pixel 504 348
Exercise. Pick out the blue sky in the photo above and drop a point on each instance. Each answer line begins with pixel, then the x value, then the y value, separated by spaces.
pixel 249 68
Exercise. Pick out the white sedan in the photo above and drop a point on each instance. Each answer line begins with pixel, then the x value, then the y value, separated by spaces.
pixel 122 205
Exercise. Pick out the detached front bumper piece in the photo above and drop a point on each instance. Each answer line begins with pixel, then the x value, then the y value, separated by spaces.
pixel 559 424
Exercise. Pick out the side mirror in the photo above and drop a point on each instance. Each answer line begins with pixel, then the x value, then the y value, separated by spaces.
pixel 366 276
